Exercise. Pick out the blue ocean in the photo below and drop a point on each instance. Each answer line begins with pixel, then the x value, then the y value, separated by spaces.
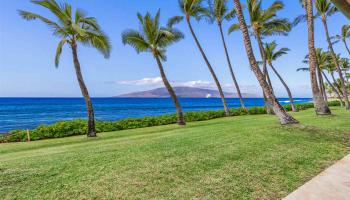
pixel 27 113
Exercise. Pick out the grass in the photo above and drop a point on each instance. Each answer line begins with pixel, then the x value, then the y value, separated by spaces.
pixel 245 157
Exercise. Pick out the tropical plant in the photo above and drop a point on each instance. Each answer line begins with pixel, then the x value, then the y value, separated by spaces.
pixel 272 101
pixel 272 54
pixel 321 107
pixel 265 23
pixel 195 9
pixel 325 9
pixel 219 13
pixel 155 39
pixel 324 64
pixel 72 29
pixel 345 34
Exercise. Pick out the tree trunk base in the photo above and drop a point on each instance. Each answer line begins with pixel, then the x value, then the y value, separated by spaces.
pixel 289 120
pixel 92 134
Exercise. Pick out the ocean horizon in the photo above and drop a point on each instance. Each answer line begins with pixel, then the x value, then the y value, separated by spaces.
pixel 30 112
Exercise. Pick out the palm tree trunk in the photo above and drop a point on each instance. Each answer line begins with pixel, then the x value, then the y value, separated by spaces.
pixel 321 106
pixel 336 84
pixel 272 101
pixel 91 118
pixel 294 109
pixel 230 68
pixel 322 87
pixel 334 89
pixel 227 110
pixel 346 46
pixel 180 116
pixel 335 60
pixel 265 71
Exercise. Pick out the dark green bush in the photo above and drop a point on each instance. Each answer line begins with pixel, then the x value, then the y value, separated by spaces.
pixel 78 127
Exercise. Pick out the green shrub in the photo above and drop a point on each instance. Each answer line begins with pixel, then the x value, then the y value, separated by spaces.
pixel 78 127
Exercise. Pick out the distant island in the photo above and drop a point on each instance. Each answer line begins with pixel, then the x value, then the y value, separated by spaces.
pixel 183 92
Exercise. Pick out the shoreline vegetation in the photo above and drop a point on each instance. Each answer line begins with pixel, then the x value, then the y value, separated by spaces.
pixel 78 126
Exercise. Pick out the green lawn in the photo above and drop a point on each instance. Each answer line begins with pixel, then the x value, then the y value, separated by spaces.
pixel 245 157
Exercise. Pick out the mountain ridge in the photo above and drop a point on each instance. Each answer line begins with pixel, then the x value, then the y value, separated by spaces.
pixel 183 92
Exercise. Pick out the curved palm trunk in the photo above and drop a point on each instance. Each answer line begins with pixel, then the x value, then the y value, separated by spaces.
pixel 91 118
pixel 336 84
pixel 265 71
pixel 272 101
pixel 321 106
pixel 335 60
pixel 334 89
pixel 180 116
pixel 322 87
pixel 230 67
pixel 227 111
pixel 294 109
pixel 346 46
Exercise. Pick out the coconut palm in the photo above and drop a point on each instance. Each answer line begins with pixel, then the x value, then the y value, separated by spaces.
pixel 344 6
pixel 321 106
pixel 265 23
pixel 272 101
pixel 345 34
pixel 324 64
pixel 72 29
pixel 155 39
pixel 325 9
pixel 219 13
pixel 194 9
pixel 272 54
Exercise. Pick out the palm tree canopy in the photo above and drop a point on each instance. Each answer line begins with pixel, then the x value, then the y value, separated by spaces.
pixel 324 60
pixel 152 37
pixel 219 10
pixel 272 54
pixel 71 28
pixel 195 9
pixel 265 22
pixel 325 8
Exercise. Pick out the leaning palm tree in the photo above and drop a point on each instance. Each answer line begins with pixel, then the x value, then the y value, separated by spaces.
pixel 265 23
pixel 321 106
pixel 155 39
pixel 272 101
pixel 345 34
pixel 194 9
pixel 73 29
pixel 219 13
pixel 272 55
pixel 325 9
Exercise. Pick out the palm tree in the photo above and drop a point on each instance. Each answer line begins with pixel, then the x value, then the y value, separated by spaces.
pixel 321 107
pixel 343 6
pixel 265 23
pixel 194 9
pixel 73 29
pixel 272 55
pixel 219 13
pixel 155 39
pixel 345 33
pixel 272 101
pixel 325 8
pixel 324 63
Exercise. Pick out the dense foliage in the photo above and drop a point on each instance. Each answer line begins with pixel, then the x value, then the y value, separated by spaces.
pixel 79 127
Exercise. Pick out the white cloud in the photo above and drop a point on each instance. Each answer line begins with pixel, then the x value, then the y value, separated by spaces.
pixel 157 81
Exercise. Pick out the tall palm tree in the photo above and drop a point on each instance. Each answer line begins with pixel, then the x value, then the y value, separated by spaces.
pixel 265 23
pixel 325 9
pixel 155 39
pixel 345 33
pixel 194 9
pixel 272 101
pixel 221 12
pixel 272 55
pixel 73 29
pixel 321 107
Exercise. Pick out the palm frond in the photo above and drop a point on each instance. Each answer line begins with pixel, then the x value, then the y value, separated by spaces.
pixel 59 51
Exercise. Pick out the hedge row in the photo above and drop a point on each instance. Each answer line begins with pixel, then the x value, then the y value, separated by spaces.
pixel 79 127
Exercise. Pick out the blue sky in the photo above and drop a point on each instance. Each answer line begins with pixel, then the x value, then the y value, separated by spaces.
pixel 27 52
